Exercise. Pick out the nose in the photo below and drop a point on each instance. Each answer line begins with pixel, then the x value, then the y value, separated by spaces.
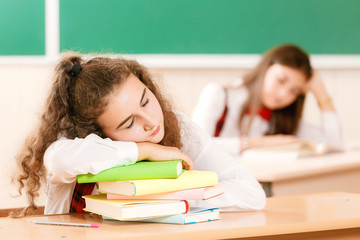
pixel 282 93
pixel 149 121
pixel 148 127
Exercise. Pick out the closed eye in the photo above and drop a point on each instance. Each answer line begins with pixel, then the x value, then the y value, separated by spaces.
pixel 281 80
pixel 296 92
pixel 145 103
pixel 131 123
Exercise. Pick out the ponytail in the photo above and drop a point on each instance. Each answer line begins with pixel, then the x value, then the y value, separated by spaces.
pixel 55 121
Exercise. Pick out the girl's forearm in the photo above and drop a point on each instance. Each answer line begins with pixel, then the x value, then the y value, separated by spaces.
pixel 317 87
pixel 324 100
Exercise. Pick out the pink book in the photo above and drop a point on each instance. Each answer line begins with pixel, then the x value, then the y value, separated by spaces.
pixel 188 194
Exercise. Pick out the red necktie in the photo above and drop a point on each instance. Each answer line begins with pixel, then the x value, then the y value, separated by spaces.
pixel 263 112
pixel 77 202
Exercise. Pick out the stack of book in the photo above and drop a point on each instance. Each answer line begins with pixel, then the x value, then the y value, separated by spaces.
pixel 156 191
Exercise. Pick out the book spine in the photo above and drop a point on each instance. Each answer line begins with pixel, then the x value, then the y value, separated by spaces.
pixel 187 206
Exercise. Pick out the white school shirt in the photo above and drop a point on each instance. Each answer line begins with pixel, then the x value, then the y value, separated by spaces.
pixel 66 158
pixel 211 104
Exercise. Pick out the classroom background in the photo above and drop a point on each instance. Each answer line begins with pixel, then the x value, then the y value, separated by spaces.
pixel 186 44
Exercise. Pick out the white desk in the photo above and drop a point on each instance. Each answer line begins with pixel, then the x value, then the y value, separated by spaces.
pixel 332 172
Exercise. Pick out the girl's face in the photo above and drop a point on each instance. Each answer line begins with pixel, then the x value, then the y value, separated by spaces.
pixel 282 85
pixel 133 114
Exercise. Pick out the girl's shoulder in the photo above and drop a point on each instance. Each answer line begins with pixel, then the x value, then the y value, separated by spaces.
pixel 213 90
pixel 237 96
pixel 239 90
pixel 182 119
pixel 217 92
pixel 189 130
pixel 211 102
pixel 193 137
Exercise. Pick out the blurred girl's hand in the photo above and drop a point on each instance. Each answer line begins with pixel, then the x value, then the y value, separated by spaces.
pixel 315 84
pixel 317 87
pixel 157 152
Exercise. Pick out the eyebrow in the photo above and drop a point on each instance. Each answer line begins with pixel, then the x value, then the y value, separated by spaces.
pixel 283 76
pixel 143 95
pixel 127 119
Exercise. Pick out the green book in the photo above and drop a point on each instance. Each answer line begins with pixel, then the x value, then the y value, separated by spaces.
pixel 136 171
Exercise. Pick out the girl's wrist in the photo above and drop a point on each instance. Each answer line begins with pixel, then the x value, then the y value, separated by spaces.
pixel 319 92
pixel 324 100
pixel 325 103
pixel 142 151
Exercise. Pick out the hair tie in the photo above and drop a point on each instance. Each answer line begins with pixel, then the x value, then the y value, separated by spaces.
pixel 75 70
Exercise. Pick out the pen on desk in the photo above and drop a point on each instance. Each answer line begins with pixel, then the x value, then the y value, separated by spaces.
pixel 92 225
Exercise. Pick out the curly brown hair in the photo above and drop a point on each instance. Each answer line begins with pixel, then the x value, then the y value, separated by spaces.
pixel 73 106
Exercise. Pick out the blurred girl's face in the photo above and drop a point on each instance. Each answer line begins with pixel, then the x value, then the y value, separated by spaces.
pixel 282 85
pixel 133 114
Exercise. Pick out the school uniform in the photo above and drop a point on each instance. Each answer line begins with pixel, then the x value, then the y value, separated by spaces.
pixel 215 105
pixel 66 158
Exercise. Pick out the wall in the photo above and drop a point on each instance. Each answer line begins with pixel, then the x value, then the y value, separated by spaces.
pixel 25 86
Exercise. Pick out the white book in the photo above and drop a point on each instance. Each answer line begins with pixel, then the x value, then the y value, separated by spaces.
pixel 195 215
pixel 133 209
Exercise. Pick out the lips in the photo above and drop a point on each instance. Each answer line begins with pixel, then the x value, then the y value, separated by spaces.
pixel 156 131
pixel 277 100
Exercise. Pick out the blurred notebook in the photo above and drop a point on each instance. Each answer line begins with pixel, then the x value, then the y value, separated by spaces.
pixel 289 151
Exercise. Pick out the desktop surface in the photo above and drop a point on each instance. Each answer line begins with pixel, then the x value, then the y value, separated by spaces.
pixel 329 173
pixel 331 215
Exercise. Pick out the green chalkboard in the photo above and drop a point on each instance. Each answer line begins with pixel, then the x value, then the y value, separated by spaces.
pixel 22 27
pixel 209 26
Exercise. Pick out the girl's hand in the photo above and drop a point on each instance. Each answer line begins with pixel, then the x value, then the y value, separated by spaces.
pixel 317 87
pixel 272 140
pixel 315 84
pixel 157 152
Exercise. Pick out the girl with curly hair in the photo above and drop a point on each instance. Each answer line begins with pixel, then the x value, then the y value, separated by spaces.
pixel 105 112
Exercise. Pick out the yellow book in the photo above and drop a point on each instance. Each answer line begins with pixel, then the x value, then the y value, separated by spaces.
pixel 187 180
pixel 133 209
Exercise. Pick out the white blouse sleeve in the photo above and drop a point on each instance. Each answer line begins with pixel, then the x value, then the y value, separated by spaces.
pixel 65 158
pixel 242 190
pixel 330 132
pixel 210 106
